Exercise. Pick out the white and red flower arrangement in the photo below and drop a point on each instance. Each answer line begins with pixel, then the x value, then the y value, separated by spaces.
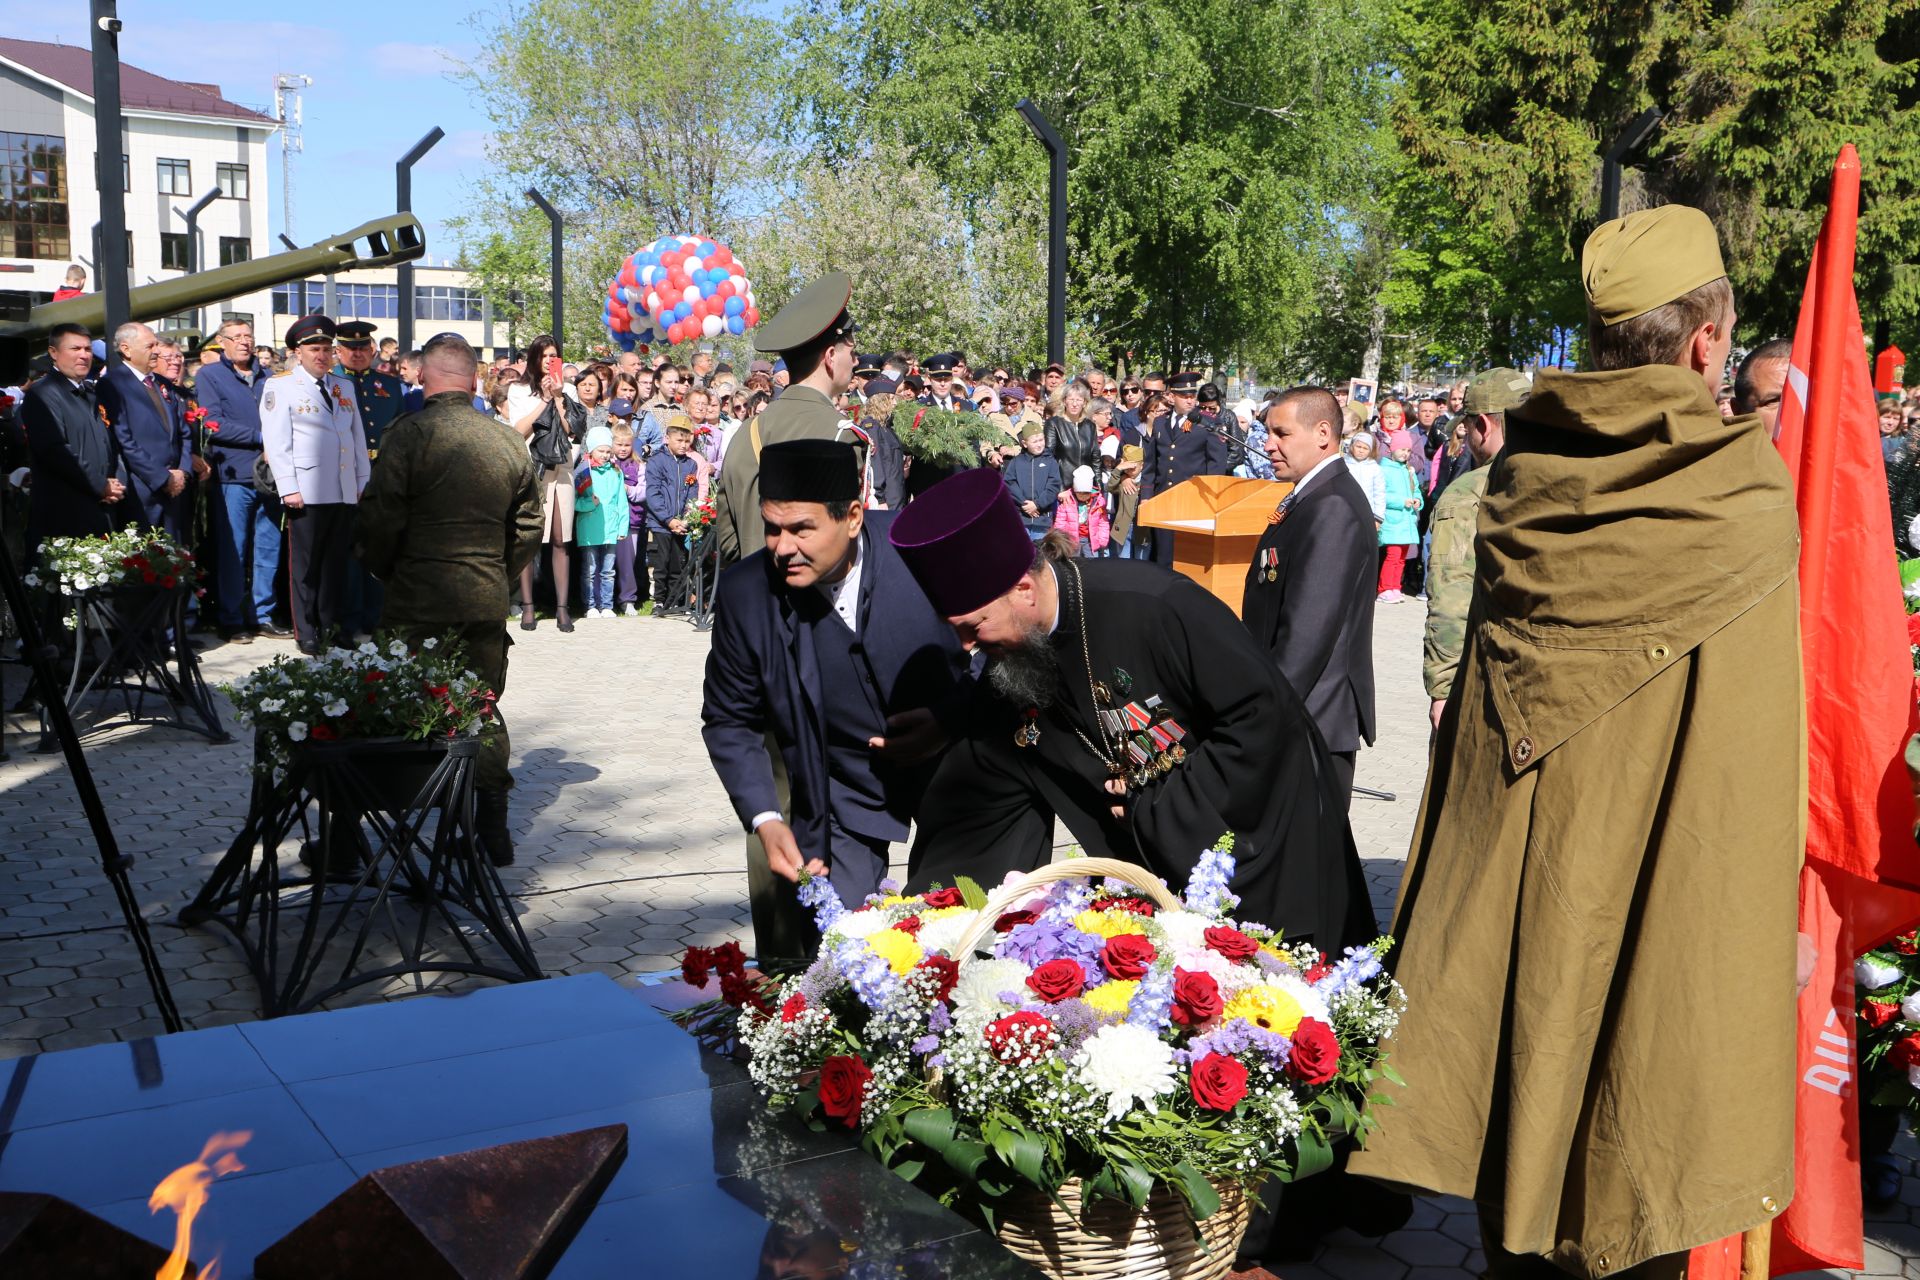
pixel 1089 1034
pixel 129 558
pixel 1887 982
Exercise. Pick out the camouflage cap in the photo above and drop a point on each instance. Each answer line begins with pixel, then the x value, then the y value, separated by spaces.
pixel 1495 391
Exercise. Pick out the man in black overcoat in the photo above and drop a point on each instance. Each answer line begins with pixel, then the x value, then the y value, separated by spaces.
pixel 79 481
pixel 829 668
pixel 1175 447
pixel 1310 588
pixel 1131 704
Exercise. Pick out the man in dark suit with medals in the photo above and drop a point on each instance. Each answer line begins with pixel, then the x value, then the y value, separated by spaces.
pixel 828 665
pixel 1310 589
pixel 1132 706
pixel 1178 446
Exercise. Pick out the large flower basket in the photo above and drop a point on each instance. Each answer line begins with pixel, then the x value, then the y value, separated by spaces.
pixel 1097 1070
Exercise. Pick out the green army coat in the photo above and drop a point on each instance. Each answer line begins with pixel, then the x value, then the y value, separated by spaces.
pixel 801 413
pixel 451 515
pixel 1598 917
pixel 1456 514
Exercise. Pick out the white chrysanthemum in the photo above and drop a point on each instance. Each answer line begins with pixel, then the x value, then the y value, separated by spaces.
pixel 861 924
pixel 1312 1003
pixel 942 934
pixel 1873 975
pixel 1186 930
pixel 297 731
pixel 338 707
pixel 1130 1065
pixel 976 997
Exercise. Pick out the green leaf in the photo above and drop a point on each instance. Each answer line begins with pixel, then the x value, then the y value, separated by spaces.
pixel 1029 1158
pixel 932 1126
pixel 1313 1154
pixel 1136 1184
pixel 971 893
pixel 910 1170
pixel 965 1158
pixel 1201 1197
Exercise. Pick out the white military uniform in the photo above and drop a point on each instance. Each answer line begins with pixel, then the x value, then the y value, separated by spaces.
pixel 311 433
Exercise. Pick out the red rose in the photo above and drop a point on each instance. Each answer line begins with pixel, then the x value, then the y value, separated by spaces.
pixel 1127 955
pixel 1196 998
pixel 1218 1082
pixel 694 966
pixel 1913 628
pixel 1878 1013
pixel 909 926
pixel 1058 980
pixel 1020 1037
pixel 949 971
pixel 1906 945
pixel 943 898
pixel 1906 1050
pixel 147 576
pixel 795 1006
pixel 1013 920
pixel 323 733
pixel 728 958
pixel 843 1085
pixel 1231 943
pixel 1316 1054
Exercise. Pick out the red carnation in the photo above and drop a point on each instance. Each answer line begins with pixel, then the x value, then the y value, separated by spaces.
pixel 1058 980
pixel 1231 943
pixel 943 898
pixel 147 576
pixel 1021 1037
pixel 1316 1054
pixel 1014 919
pixel 1130 905
pixel 949 971
pixel 1317 972
pixel 1878 1013
pixel 843 1086
pixel 374 677
pixel 1906 945
pixel 1218 1082
pixel 694 966
pixel 909 926
pixel 168 581
pixel 740 990
pixel 728 958
pixel 1196 998
pixel 1906 1050
pixel 795 1006
pixel 323 733
pixel 1127 955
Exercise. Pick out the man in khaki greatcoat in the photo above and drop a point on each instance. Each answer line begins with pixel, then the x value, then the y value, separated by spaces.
pixel 1598 917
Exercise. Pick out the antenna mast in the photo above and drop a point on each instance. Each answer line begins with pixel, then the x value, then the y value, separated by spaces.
pixel 286 109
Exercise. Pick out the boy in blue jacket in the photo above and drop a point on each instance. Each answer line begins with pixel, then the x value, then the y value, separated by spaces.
pixel 672 482
pixel 1033 478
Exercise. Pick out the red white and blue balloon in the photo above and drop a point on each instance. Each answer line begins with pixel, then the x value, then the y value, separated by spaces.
pixel 678 289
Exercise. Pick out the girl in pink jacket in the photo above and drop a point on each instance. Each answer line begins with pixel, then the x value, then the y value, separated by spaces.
pixel 1082 515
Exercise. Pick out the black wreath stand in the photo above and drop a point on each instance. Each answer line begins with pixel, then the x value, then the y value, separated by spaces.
pixel 132 641
pixel 394 862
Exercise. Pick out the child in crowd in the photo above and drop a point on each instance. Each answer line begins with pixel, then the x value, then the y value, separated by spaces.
pixel 75 285
pixel 1400 528
pixel 626 551
pixel 673 479
pixel 1082 514
pixel 600 521
pixel 1033 478
pixel 1121 483
pixel 1366 471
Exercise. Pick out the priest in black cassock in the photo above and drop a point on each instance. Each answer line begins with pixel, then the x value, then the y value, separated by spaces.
pixel 1133 705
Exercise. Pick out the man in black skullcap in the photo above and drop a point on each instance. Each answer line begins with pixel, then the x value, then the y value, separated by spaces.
pixel 827 662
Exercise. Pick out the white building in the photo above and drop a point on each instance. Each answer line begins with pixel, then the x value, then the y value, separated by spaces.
pixel 443 301
pixel 180 141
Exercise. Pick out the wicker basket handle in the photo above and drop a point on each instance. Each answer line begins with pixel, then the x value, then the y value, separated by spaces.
pixel 1071 869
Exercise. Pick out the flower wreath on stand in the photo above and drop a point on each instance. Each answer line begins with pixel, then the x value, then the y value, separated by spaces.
pixel 1084 1032
pixel 129 558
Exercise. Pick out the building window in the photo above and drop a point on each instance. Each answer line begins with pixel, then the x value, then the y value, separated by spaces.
pixel 126 173
pixel 174 252
pixel 368 301
pixel 232 179
pixel 176 178
pixel 33 196
pixel 445 302
pixel 244 317
pixel 235 249
pixel 286 298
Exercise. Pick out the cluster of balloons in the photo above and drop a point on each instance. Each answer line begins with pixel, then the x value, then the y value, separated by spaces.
pixel 677 289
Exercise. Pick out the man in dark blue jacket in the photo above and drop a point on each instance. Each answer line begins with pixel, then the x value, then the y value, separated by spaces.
pixel 229 390
pixel 830 672
pixel 150 431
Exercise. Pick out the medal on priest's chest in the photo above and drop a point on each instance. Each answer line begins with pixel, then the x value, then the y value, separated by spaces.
pixel 1028 732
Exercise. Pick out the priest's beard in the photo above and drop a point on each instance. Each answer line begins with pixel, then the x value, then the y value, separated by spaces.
pixel 1027 673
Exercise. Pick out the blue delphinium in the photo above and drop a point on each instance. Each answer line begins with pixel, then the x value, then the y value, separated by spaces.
pixel 1152 1003
pixel 1358 965
pixel 817 894
pixel 1207 891
pixel 871 977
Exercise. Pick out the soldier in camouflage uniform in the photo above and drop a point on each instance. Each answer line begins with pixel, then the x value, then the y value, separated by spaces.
pixel 1455 515
pixel 450 517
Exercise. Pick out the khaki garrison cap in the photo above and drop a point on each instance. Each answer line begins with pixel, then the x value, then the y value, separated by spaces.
pixel 1647 259
pixel 816 310
pixel 1495 391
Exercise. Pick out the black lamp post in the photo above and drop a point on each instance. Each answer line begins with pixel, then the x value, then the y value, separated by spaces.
pixel 553 219
pixel 111 258
pixel 1056 229
pixel 403 197
pixel 1625 150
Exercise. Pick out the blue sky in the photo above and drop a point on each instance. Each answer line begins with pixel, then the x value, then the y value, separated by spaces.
pixel 378 85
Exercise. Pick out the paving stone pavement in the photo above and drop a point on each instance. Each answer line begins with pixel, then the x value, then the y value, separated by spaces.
pixel 628 853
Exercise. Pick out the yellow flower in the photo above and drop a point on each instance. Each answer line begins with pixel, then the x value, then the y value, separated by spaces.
pixel 901 952
pixel 1265 1007
pixel 894 900
pixel 1112 997
pixel 1108 924
pixel 941 913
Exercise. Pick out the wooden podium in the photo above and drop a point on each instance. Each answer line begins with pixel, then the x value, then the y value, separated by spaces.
pixel 1216 523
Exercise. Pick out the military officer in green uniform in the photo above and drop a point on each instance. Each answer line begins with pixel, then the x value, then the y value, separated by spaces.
pixel 382 399
pixel 450 517
pixel 814 335
pixel 1455 514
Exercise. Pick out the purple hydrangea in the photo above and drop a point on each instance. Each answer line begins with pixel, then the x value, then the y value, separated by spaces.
pixel 1076 1021
pixel 926 1044
pixel 1043 940
pixel 1235 1038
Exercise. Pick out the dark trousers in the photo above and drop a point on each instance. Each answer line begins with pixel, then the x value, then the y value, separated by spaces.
pixel 365 600
pixel 667 558
pixel 625 552
pixel 1343 775
pixel 856 864
pixel 320 537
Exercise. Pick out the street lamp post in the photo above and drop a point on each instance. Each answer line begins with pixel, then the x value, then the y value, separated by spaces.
pixel 1625 149
pixel 403 196
pixel 1056 229
pixel 553 219
pixel 111 260
pixel 192 215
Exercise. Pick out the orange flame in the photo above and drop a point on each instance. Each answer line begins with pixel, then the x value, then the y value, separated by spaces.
pixel 185 1192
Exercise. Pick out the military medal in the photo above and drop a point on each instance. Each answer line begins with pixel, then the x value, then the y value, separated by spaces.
pixel 1029 731
pixel 1102 696
pixel 1269 564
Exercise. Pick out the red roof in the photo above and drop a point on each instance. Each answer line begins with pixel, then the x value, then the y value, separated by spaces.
pixel 72 66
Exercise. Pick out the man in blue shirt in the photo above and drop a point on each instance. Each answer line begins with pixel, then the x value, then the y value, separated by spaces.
pixel 246 522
